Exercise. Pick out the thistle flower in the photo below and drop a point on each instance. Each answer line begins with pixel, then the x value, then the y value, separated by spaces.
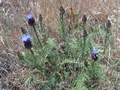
pixel 94 54
pixel 26 41
pixel 84 19
pixel 11 15
pixel 31 20
pixel 40 18
pixel 62 10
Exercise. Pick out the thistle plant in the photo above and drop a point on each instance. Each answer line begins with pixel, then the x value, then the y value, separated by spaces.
pixel 62 29
pixel 64 35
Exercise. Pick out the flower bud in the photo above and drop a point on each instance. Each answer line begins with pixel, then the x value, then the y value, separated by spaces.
pixel 40 18
pixel 23 30
pixel 108 24
pixel 62 10
pixel 84 19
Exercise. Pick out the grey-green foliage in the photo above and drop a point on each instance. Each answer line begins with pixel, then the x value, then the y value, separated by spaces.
pixel 80 81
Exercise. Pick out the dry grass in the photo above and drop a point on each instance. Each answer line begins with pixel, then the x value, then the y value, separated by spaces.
pixel 13 17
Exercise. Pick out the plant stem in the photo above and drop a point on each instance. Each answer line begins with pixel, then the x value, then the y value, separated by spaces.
pixel 37 36
pixel 63 30
pixel 41 26
pixel 31 51
pixel 106 39
pixel 84 41
pixel 32 54
pixel 68 49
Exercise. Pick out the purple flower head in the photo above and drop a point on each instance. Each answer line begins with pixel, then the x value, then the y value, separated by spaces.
pixel 26 41
pixel 12 15
pixel 29 16
pixel 28 44
pixel 94 52
pixel 25 37
pixel 31 20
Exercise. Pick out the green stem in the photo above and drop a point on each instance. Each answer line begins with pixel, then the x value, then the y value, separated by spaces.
pixel 63 30
pixel 33 55
pixel 31 51
pixel 41 26
pixel 84 42
pixel 37 36
pixel 106 39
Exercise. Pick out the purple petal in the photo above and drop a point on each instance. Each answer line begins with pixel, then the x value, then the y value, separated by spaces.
pixel 11 15
pixel 25 37
pixel 94 51
pixel 29 16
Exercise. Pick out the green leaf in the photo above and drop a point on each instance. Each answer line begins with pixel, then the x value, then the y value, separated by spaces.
pixel 116 62
pixel 96 30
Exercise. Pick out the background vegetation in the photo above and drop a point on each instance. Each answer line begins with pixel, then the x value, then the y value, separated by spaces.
pixel 61 55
